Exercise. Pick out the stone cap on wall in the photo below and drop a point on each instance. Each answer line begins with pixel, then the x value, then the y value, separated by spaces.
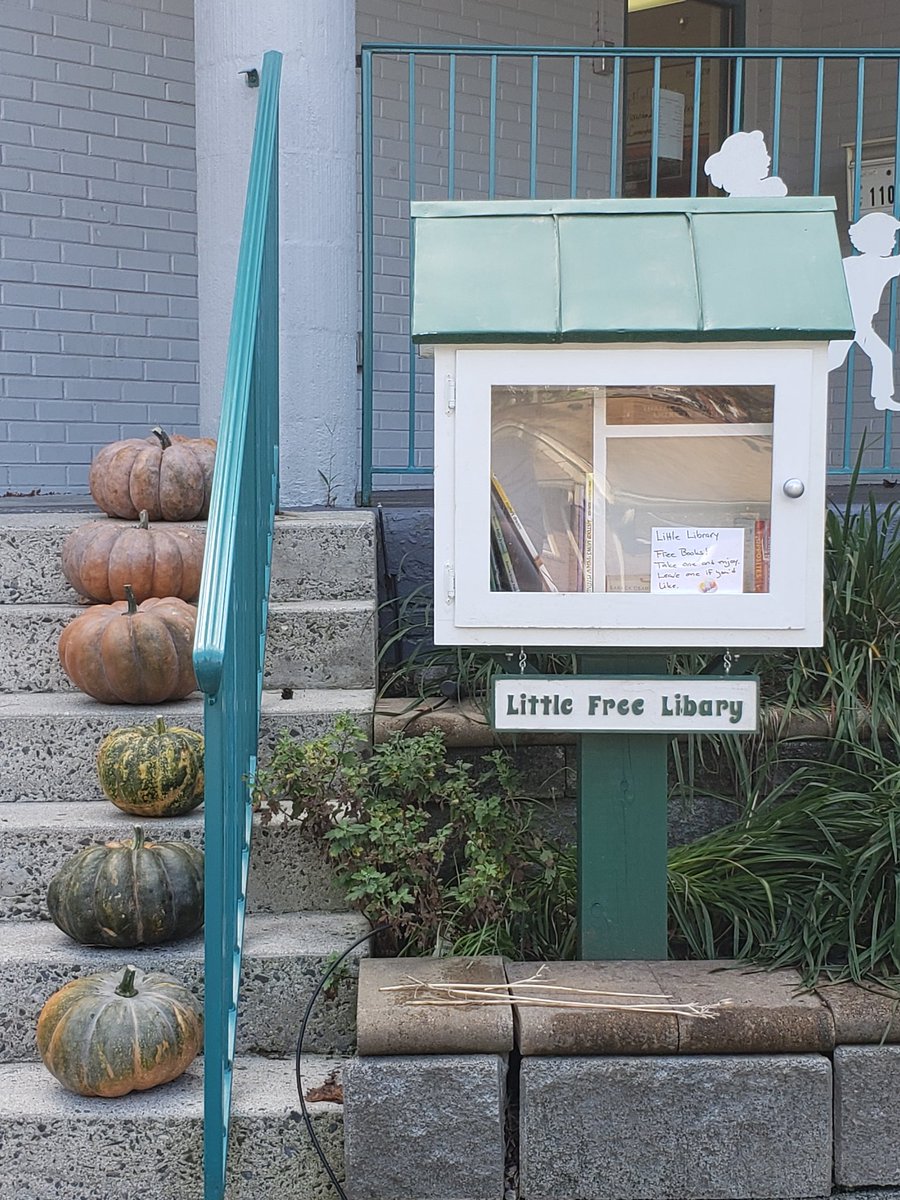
pixel 769 1012
pixel 463 723
pixel 386 1025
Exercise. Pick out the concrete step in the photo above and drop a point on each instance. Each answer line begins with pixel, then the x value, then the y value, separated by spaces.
pixel 284 957
pixel 48 741
pixel 286 872
pixel 326 555
pixel 56 1146
pixel 323 643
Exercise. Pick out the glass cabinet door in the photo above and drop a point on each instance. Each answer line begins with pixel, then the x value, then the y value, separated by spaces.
pixel 662 489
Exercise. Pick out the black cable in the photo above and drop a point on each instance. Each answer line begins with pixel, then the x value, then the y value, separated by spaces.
pixel 307 1120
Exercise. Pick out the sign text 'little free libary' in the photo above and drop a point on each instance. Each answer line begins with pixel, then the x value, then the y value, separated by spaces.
pixel 670 704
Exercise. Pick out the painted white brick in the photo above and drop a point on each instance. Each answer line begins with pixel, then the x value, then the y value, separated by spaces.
pixel 63 274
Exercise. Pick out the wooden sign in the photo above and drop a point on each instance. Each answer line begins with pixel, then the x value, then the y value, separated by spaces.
pixel 631 704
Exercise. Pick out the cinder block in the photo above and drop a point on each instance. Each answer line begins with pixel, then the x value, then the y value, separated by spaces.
pixel 666 1128
pixel 425 1127
pixel 866 1116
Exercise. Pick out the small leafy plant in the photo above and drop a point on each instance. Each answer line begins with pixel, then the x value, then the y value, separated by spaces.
pixel 442 852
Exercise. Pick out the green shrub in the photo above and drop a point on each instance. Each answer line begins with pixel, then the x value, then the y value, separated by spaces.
pixel 442 852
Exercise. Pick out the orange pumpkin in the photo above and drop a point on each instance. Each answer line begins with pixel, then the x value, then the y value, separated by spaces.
pixel 170 477
pixel 98 560
pixel 125 653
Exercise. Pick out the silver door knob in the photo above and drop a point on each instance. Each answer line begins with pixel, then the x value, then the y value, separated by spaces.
pixel 794 488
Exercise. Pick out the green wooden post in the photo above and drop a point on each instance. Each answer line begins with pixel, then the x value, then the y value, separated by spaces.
pixel 622 801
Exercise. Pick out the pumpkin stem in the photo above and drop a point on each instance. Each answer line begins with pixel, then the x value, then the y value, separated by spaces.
pixel 132 603
pixel 126 985
pixel 138 837
pixel 143 519
pixel 159 725
pixel 165 440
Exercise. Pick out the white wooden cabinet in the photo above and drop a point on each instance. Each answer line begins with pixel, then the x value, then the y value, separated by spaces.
pixel 639 495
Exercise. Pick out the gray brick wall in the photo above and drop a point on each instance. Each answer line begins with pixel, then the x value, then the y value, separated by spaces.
pixel 449 22
pixel 98 334
pixel 98 311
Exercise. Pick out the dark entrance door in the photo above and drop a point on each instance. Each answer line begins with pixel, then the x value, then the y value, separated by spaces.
pixel 685 24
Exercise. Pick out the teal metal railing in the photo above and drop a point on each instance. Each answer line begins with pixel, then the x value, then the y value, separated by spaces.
pixel 231 618
pixel 501 122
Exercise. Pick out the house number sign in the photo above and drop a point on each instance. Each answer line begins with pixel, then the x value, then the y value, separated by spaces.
pixel 631 704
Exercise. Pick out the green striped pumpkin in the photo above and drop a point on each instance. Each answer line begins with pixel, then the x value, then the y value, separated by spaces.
pixel 152 771
pixel 119 1032
pixel 129 893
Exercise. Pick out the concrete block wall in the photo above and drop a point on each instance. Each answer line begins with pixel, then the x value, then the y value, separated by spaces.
pixel 98 310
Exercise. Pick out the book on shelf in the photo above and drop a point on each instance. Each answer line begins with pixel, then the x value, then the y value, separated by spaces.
pixel 525 557
pixel 502 560
pixel 762 554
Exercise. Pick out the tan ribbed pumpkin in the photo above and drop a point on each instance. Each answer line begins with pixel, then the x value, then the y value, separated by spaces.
pixel 170 477
pixel 118 1032
pixel 100 558
pixel 125 653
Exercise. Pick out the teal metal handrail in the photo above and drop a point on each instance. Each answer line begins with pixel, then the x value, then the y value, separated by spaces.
pixel 231 617
pixel 419 153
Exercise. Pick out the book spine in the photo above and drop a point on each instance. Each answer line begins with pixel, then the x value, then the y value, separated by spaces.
pixel 503 552
pixel 523 535
pixel 761 554
pixel 588 546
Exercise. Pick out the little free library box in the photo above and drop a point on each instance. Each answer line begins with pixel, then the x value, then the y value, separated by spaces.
pixel 630 416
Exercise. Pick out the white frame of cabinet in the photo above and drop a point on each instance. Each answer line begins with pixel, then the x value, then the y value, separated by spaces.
pixel 467 612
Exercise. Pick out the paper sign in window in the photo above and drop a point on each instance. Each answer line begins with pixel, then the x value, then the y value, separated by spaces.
pixel 696 559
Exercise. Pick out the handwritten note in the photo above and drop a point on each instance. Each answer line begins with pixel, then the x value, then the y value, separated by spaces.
pixel 696 559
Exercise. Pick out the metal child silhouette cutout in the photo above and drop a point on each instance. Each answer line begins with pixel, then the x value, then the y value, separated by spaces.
pixel 741 167
pixel 867 275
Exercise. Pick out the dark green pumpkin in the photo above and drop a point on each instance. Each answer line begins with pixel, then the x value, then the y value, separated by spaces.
pixel 119 1032
pixel 131 893
pixel 152 771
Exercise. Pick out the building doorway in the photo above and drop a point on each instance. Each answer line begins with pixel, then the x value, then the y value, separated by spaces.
pixel 682 24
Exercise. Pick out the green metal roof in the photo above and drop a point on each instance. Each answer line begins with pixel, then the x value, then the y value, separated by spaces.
pixel 628 270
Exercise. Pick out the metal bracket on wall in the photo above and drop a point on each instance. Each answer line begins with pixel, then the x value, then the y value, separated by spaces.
pixel 252 76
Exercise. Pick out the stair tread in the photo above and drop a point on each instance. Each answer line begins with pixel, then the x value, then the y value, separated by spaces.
pixel 69 519
pixel 284 958
pixel 287 872
pixel 261 1086
pixel 22 705
pixel 315 554
pixel 266 935
pixel 63 611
